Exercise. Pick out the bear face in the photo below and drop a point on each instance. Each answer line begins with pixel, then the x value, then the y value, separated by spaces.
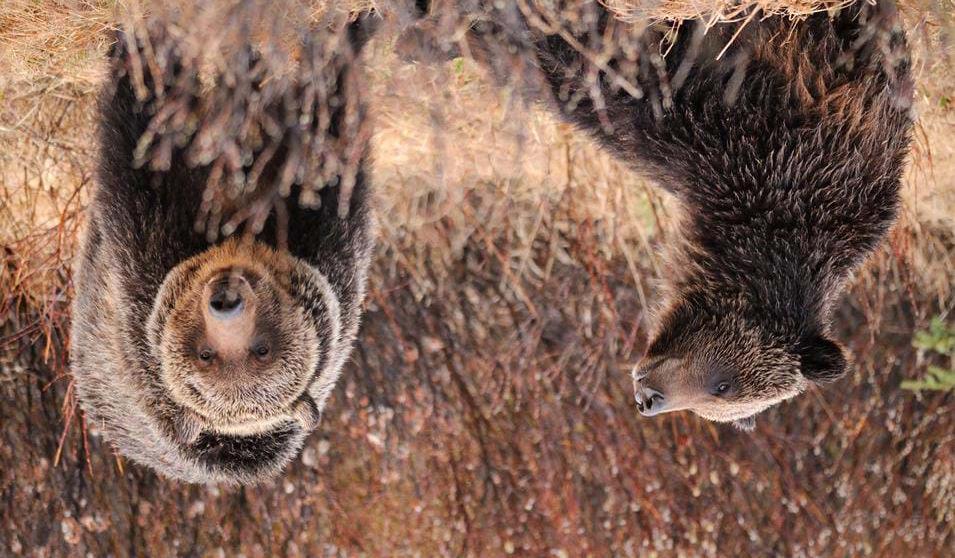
pixel 727 369
pixel 202 400
pixel 235 344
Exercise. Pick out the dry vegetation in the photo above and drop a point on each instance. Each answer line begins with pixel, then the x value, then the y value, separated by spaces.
pixel 488 406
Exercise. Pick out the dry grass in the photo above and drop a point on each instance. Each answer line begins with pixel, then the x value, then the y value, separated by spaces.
pixel 715 11
pixel 490 408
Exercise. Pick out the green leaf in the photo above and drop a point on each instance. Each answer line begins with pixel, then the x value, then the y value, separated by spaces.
pixel 936 379
pixel 939 338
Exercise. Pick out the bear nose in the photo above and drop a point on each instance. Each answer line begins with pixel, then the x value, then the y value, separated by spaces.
pixel 226 300
pixel 649 401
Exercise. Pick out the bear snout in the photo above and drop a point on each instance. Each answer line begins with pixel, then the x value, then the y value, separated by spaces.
pixel 229 312
pixel 649 401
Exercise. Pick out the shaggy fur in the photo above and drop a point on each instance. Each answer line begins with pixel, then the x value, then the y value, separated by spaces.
pixel 140 273
pixel 787 154
pixel 786 151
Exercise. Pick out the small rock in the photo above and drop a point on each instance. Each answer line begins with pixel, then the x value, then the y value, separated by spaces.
pixel 196 509
pixel 308 457
pixel 431 344
pixel 71 530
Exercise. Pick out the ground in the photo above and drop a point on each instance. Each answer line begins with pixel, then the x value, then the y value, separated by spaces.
pixel 488 407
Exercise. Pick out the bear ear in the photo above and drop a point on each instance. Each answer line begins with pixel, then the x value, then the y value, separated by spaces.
pixel 821 359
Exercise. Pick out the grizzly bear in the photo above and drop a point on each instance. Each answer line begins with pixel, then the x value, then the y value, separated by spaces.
pixel 210 362
pixel 784 140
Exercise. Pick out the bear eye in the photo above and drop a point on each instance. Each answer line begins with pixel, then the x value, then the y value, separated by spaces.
pixel 261 350
pixel 722 388
pixel 205 355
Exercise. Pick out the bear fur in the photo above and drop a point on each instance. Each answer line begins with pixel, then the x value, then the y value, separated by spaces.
pixel 787 154
pixel 139 280
pixel 785 142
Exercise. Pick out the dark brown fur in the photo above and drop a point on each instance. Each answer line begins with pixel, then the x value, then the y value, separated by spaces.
pixel 786 152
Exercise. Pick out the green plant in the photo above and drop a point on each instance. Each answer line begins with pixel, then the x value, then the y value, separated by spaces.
pixel 939 338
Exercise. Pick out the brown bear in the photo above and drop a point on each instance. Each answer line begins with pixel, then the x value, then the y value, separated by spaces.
pixel 784 140
pixel 210 363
